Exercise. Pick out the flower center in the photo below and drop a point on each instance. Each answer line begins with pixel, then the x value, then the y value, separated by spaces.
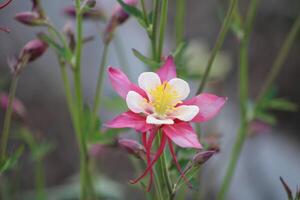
pixel 164 99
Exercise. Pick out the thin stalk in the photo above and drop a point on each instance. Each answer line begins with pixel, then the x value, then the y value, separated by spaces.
pixel 162 27
pixel 154 28
pixel 278 63
pixel 179 20
pixel 7 119
pixel 100 81
pixel 145 13
pixel 243 90
pixel 219 43
pixel 40 180
pixel 87 191
pixel 162 176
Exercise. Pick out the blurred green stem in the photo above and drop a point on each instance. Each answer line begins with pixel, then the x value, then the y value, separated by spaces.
pixel 278 63
pixel 7 118
pixel 40 180
pixel 219 42
pixel 154 28
pixel 179 23
pixel 87 190
pixel 162 27
pixel 243 90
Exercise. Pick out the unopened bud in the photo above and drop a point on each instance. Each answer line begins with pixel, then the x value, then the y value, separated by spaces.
pixel 118 17
pixel 201 157
pixel 68 30
pixel 34 49
pixel 29 18
pixel 120 14
pixel 18 107
pixel 133 147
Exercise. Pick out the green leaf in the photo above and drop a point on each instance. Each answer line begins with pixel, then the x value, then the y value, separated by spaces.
pixel 131 10
pixel 282 104
pixel 107 138
pixel 179 52
pixel 146 60
pixel 61 51
pixel 266 117
pixel 11 162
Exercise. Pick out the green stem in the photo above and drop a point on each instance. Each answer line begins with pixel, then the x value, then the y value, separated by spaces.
pixel 100 81
pixel 162 175
pixel 145 12
pixel 7 119
pixel 179 21
pixel 154 29
pixel 87 191
pixel 243 90
pixel 219 43
pixel 163 24
pixel 40 180
pixel 278 63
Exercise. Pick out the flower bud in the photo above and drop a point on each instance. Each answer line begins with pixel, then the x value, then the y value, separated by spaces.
pixel 69 31
pixel 29 18
pixel 34 49
pixel 201 157
pixel 5 3
pixel 18 107
pixel 119 16
pixel 133 147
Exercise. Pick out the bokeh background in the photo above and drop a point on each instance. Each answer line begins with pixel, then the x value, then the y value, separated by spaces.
pixel 266 156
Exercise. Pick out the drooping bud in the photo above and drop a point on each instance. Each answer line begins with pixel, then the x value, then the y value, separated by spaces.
pixel 118 17
pixel 89 14
pixel 68 30
pixel 34 49
pixel 133 147
pixel 18 107
pixel 37 8
pixel 201 157
pixel 30 19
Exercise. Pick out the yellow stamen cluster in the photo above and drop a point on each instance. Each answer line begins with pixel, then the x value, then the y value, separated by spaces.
pixel 164 99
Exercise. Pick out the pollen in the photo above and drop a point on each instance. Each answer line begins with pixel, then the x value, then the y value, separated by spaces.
pixel 164 99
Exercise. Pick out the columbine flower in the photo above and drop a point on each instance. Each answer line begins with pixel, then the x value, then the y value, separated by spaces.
pixel 158 106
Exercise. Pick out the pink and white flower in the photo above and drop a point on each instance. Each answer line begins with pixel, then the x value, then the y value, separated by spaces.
pixel 158 105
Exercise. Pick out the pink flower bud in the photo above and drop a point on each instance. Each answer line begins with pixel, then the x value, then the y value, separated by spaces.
pixel 201 157
pixel 29 18
pixel 18 107
pixel 133 147
pixel 34 49
pixel 119 16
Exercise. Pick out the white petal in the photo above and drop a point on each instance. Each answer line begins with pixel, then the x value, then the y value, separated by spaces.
pixel 148 81
pixel 181 86
pixel 185 113
pixel 152 120
pixel 135 102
